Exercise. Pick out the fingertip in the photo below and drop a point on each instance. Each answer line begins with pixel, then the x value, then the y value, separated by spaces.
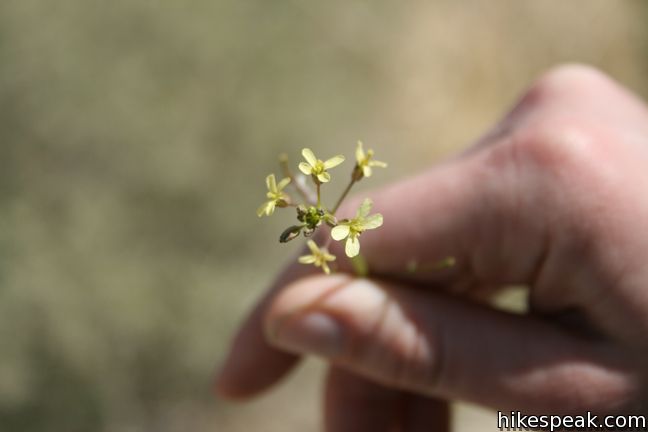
pixel 252 365
pixel 222 390
pixel 300 295
pixel 223 387
pixel 243 376
pixel 228 384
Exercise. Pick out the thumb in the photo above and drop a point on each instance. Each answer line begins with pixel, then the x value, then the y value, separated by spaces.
pixel 438 346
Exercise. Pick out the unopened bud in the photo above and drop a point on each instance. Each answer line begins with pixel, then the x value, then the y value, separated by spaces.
pixel 290 233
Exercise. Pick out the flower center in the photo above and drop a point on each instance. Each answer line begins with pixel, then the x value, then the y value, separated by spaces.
pixel 276 196
pixel 318 168
pixel 355 228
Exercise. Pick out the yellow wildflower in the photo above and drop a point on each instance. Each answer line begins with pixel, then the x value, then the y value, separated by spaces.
pixel 317 168
pixel 278 198
pixel 318 257
pixel 352 228
pixel 365 161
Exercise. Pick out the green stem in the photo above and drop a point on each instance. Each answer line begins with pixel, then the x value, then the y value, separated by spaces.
pixel 319 199
pixel 344 194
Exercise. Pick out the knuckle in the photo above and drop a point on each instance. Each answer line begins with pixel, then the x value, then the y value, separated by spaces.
pixel 550 127
pixel 571 161
pixel 571 79
pixel 559 162
pixel 567 165
pixel 557 144
pixel 600 391
pixel 397 352
pixel 553 118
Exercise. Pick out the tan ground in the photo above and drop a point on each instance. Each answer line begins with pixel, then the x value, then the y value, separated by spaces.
pixel 135 139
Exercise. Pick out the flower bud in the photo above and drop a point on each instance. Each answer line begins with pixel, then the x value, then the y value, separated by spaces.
pixel 290 233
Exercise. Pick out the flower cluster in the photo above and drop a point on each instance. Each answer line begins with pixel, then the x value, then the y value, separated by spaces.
pixel 311 214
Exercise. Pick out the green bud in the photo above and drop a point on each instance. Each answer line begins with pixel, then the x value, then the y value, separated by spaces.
pixel 312 216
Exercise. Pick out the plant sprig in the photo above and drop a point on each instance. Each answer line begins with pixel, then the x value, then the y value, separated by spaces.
pixel 311 213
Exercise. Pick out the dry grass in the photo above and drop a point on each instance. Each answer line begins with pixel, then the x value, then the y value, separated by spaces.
pixel 135 139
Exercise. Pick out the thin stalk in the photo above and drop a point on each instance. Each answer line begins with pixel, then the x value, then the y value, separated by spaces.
pixel 283 162
pixel 319 198
pixel 344 194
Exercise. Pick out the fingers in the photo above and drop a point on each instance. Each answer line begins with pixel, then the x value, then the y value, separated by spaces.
pixel 252 365
pixel 449 196
pixel 356 404
pixel 480 208
pixel 441 347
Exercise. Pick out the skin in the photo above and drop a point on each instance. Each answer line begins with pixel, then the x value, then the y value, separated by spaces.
pixel 554 197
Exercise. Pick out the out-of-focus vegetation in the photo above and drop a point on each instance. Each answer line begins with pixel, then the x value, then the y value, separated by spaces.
pixel 134 141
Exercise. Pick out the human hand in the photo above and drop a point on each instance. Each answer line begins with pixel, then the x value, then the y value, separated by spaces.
pixel 554 197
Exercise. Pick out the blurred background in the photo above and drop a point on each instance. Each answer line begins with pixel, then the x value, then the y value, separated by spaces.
pixel 135 137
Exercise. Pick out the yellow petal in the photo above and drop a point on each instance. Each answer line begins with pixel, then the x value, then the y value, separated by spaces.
pixel 364 209
pixel 375 163
pixel 328 256
pixel 270 207
pixel 373 221
pixel 271 183
pixel 313 247
pixel 262 209
pixel 306 259
pixel 339 232
pixel 309 156
pixel 305 168
pixel 283 183
pixel 366 170
pixel 334 161
pixel 360 155
pixel 266 208
pixel 352 247
pixel 326 268
pixel 324 177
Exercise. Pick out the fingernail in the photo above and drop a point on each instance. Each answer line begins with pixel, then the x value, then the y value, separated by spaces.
pixel 313 333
